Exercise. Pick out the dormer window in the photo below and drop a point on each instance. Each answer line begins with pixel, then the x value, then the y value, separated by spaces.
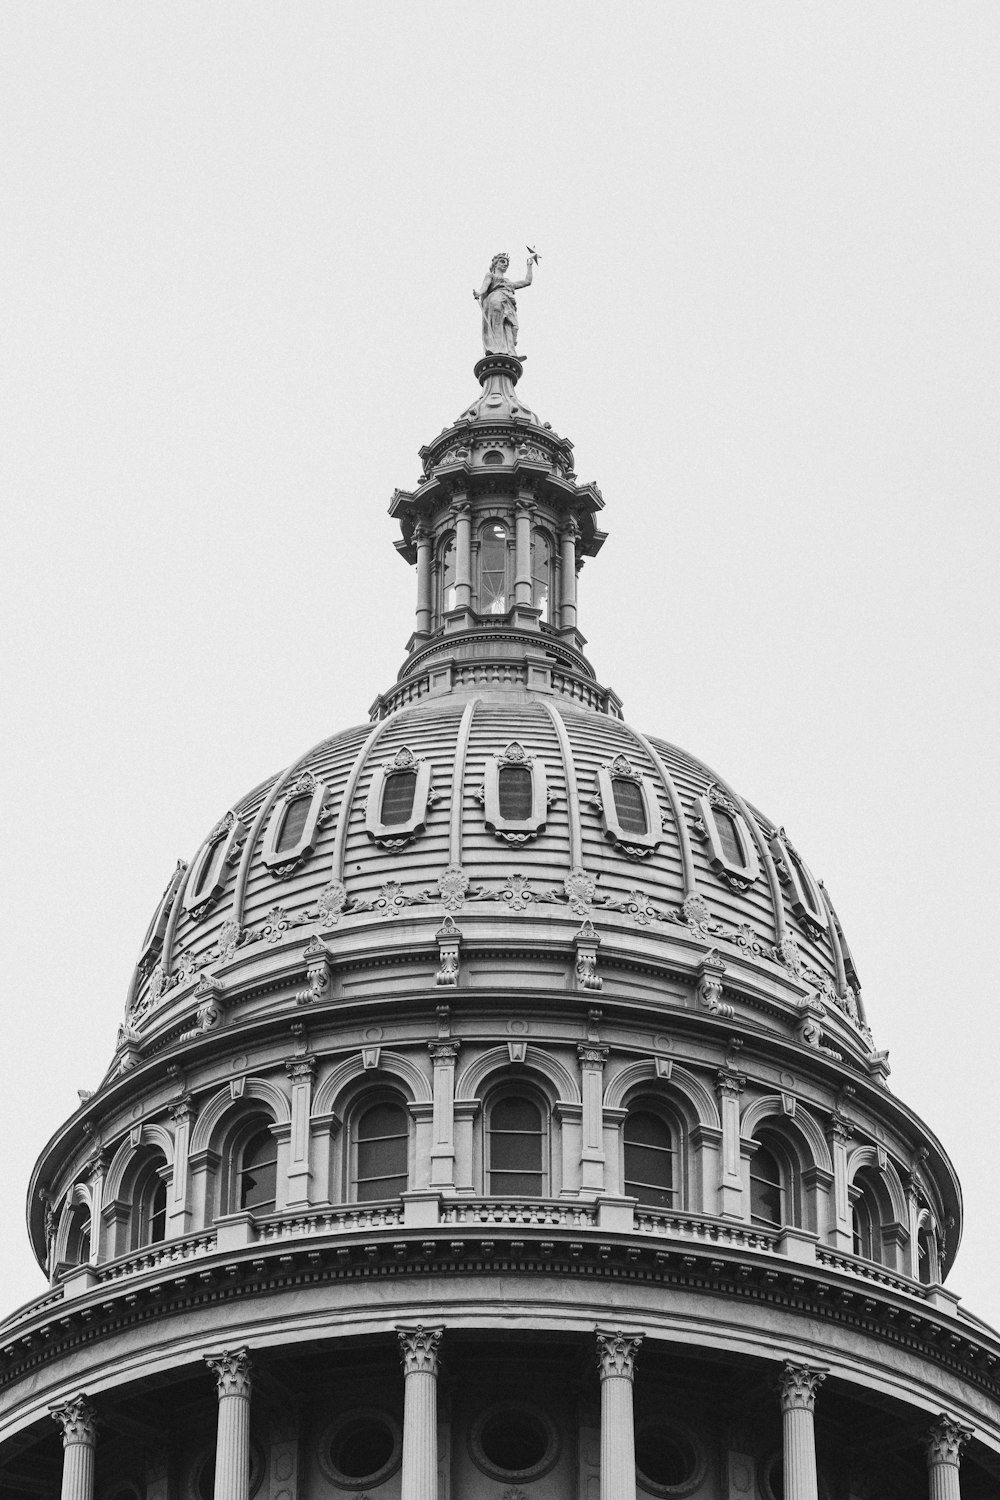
pixel 732 852
pixel 211 866
pixel 629 808
pixel 514 795
pixel 293 824
pixel 398 798
pixel 806 897
pixel 153 941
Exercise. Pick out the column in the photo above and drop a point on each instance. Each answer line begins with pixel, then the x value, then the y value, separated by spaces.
pixel 463 555
pixel 231 1369
pixel 798 1385
pixel 522 534
pixel 419 1349
pixel 300 1070
pixel 730 1087
pixel 78 1421
pixel 568 536
pixel 422 538
pixel 616 1353
pixel 592 1060
pixel 944 1443
pixel 182 1115
pixel 443 1055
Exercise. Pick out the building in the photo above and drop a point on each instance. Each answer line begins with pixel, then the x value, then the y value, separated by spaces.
pixel 495 1113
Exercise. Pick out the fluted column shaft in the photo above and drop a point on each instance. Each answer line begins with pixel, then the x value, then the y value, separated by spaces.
pixel 798 1385
pixel 232 1372
pixel 79 1429
pixel 944 1444
pixel 616 1353
pixel 419 1349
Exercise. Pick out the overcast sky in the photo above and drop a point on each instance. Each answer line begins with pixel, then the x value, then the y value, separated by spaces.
pixel 238 248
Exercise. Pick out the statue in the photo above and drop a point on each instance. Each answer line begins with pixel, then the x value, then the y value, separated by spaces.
pixel 499 309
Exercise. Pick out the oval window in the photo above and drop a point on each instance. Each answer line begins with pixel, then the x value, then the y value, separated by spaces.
pixel 361 1449
pixel 630 805
pixel 514 1441
pixel 667 1461
pixel 397 798
pixel 515 790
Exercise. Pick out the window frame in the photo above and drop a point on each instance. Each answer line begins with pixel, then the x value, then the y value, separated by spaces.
pixel 153 1175
pixel 152 943
pixel 789 1173
pixel 443 608
pixel 546 610
pixel 634 845
pixel 395 835
pixel 806 899
pixel 643 1104
pixel 253 1126
pixel 515 1089
pixel 515 830
pixel 741 875
pixel 371 1099
pixel 288 860
pixel 214 856
pixel 508 559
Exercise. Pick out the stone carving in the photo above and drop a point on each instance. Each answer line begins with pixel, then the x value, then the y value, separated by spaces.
pixel 232 1371
pixel 317 956
pixel 498 304
pixel 810 1032
pixel 636 904
pixel 616 1352
pixel 77 1418
pixel 797 1386
pixel 231 936
pixel 448 940
pixel 276 924
pixel 332 902
pixel 587 942
pixel 579 888
pixel 418 1348
pixel 304 785
pixel 788 953
pixel 709 990
pixel 453 884
pixel 230 831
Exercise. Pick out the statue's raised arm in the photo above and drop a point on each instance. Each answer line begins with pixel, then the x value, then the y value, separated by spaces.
pixel 498 305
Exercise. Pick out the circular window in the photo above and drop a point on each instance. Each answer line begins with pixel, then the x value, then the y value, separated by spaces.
pixel 362 1447
pixel 513 1441
pixel 202 1486
pixel 668 1460
pixel 772 1477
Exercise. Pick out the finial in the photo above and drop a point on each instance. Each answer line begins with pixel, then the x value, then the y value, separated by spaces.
pixel 499 306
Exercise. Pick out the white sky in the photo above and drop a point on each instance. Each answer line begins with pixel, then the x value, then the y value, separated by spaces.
pixel 239 243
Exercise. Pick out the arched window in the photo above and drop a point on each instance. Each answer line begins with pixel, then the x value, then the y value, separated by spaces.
pixel 78 1237
pixel 448 594
pixel 926 1254
pixel 650 1153
pixel 381 1151
pixel 768 1189
pixel 258 1171
pixel 541 576
pixel 516 1148
pixel 866 1218
pixel 493 569
pixel 149 1206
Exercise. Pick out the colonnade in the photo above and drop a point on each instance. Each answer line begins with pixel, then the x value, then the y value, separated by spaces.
pixel 798 1385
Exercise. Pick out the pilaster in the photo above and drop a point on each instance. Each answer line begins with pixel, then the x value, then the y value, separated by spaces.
pixel 730 1086
pixel 442 1174
pixel 301 1071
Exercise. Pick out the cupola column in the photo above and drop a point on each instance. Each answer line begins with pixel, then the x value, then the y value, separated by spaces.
pixel 232 1372
pixel 616 1352
pixel 522 534
pixel 78 1421
pixel 463 554
pixel 567 615
pixel 798 1385
pixel 944 1443
pixel 422 538
pixel 419 1349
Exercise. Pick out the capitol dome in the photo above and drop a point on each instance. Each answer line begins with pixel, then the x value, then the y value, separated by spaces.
pixel 503 1038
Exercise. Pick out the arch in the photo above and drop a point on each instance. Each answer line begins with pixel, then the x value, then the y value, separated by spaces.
pixel 691 1090
pixel 391 1064
pixel 801 1124
pixel 157 1136
pixel 220 1104
pixel 867 1156
pixel 79 1196
pixel 497 1060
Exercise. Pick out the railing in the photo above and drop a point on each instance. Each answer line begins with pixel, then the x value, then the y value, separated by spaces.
pixel 156 1257
pixel 869 1271
pixel 324 1221
pixel 703 1230
pixel 541 1214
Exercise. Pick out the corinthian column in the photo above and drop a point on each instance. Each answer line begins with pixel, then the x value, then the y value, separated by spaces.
pixel 79 1429
pixel 231 1369
pixel 798 1385
pixel 944 1443
pixel 419 1348
pixel 616 1352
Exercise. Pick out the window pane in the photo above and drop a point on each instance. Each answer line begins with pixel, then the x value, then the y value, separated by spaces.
pixel 649 1157
pixel 515 792
pixel 397 797
pixel 729 836
pixel 540 575
pixel 493 570
pixel 259 1172
pixel 766 1192
pixel 516 1148
pixel 864 1232
pixel 157 1213
pixel 448 594
pixel 293 822
pixel 206 875
pixel 382 1138
pixel 630 805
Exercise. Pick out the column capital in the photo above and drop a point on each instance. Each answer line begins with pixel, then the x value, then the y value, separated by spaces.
pixel 944 1441
pixel 421 533
pixel 232 1370
pixel 182 1110
pixel 616 1352
pixel 591 1056
pixel 443 1053
pixel 301 1068
pixel 798 1385
pixel 78 1420
pixel 729 1082
pixel 418 1347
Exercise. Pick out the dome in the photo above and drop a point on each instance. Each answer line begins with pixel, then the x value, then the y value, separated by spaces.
pixel 498 1027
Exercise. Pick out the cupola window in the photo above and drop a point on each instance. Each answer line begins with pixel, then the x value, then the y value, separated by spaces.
pixel 515 795
pixel 806 897
pixel 629 808
pixel 258 1174
pixel 381 1152
pixel 493 569
pixel 732 852
pixel 293 825
pixel 208 874
pixel 398 798
pixel 449 593
pixel 541 576
pixel 516 1148
pixel 649 1159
